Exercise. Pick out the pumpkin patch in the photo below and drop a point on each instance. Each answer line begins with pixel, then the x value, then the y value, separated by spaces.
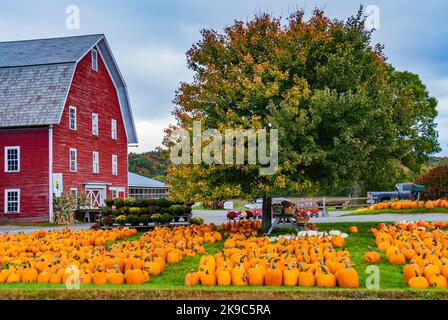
pixel 420 246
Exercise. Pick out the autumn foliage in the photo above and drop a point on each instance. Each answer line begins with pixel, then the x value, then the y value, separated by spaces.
pixel 436 182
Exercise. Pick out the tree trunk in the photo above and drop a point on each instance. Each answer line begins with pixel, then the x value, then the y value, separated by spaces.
pixel 266 216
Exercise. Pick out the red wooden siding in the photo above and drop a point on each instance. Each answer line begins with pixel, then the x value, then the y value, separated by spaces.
pixel 32 180
pixel 91 92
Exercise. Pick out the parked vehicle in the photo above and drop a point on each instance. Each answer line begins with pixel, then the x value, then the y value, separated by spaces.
pixel 403 191
pixel 258 204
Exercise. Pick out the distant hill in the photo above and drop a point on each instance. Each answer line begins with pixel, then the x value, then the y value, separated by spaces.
pixel 148 164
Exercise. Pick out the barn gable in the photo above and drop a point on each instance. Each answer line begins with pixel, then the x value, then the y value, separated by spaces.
pixel 35 78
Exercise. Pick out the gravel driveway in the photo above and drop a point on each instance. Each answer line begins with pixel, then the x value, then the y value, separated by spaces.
pixel 30 229
pixel 219 216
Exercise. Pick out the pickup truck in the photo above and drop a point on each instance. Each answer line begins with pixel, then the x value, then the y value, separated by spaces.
pixel 403 191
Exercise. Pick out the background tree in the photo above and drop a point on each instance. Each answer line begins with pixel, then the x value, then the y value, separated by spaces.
pixel 344 115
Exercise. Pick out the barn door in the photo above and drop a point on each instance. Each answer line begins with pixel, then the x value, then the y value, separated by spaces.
pixel 94 196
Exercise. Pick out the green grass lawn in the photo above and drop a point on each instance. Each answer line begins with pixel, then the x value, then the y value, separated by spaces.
pixel 389 211
pixel 170 283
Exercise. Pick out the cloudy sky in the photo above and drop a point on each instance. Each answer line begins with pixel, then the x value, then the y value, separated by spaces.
pixel 149 40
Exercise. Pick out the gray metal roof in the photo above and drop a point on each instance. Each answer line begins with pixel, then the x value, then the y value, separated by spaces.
pixel 35 76
pixel 136 180
pixel 32 96
pixel 46 51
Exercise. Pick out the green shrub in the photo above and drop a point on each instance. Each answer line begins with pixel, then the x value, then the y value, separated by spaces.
pixel 109 202
pixel 142 203
pixel 176 210
pixel 166 218
pixel 119 203
pixel 164 203
pixel 105 212
pixel 133 219
pixel 144 211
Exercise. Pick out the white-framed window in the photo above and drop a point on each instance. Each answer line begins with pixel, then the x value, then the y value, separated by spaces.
pixel 72 118
pixel 12 201
pixel 73 160
pixel 114 165
pixel 12 159
pixel 94 60
pixel 114 194
pixel 113 129
pixel 96 162
pixel 74 192
pixel 95 124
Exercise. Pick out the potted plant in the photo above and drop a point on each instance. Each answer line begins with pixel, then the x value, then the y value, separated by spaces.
pixel 186 212
pixel 109 202
pixel 167 218
pixel 107 221
pixel 231 215
pixel 145 219
pixel 176 211
pixel 156 218
pixel 121 220
pixel 133 219
pixel 197 221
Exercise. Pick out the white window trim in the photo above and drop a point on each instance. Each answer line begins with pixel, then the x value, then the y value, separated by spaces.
pixel 95 155
pixel 94 66
pixel 69 119
pixel 74 189
pixel 70 160
pixel 114 165
pixel 95 121
pixel 6 201
pixel 6 159
pixel 113 129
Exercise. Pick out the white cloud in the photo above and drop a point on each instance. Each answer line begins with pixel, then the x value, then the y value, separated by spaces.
pixel 150 134
pixel 156 63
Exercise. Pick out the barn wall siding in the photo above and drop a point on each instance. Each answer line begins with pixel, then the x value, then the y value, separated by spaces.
pixel 32 180
pixel 91 92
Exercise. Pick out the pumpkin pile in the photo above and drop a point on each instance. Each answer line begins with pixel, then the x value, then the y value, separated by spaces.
pixel 47 257
pixel 303 261
pixel 406 204
pixel 422 249
pixel 246 227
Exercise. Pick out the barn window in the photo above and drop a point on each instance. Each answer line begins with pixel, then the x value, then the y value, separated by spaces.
pixel 12 201
pixel 72 118
pixel 96 162
pixel 74 192
pixel 114 129
pixel 12 159
pixel 114 165
pixel 73 156
pixel 95 60
pixel 114 194
pixel 94 124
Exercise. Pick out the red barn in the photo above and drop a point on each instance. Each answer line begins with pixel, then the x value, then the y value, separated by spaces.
pixel 65 125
